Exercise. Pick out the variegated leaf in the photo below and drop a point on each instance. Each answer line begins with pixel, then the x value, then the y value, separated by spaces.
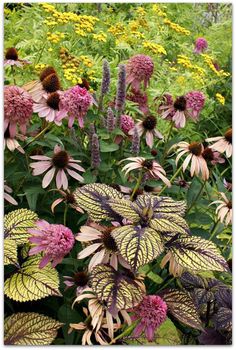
pixel 223 319
pixel 123 207
pixel 138 245
pixel 196 254
pixel 31 282
pixel 17 223
pixel 10 252
pixel 180 304
pixel 169 225
pixel 94 198
pixel 30 328
pixel 117 290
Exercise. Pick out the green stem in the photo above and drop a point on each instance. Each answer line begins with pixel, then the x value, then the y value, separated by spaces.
pixel 137 185
pixel 167 140
pixel 65 214
pixel 213 231
pixel 198 195
pixel 38 135
pixel 126 332
pixel 171 180
pixel 166 284
pixel 13 74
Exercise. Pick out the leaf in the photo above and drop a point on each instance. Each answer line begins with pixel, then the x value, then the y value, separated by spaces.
pixel 94 198
pixel 17 223
pixel 117 290
pixel 196 254
pixel 29 328
pixel 223 319
pixel 169 225
pixel 154 277
pixel 181 306
pixel 31 282
pixel 138 245
pixel 108 147
pixel 10 252
pixel 167 334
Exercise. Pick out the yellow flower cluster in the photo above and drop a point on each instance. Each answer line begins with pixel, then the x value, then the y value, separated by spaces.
pixel 209 61
pixel 140 11
pixel 48 7
pixel 156 8
pixel 50 22
pixel 100 37
pixel 176 27
pixel 155 48
pixel 220 98
pixel 55 37
pixel 39 67
pixel 86 61
pixel 197 78
pixel 117 29
pixel 185 62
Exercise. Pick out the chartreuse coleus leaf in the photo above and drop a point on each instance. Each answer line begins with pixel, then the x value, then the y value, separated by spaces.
pixel 10 252
pixel 180 304
pixel 116 289
pixel 31 282
pixel 17 223
pixel 30 328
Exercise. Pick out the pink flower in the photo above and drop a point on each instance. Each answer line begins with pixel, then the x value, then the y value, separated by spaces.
pixel 68 198
pixel 18 109
pixel 223 143
pixel 7 196
pixel 76 101
pixel 176 111
pixel 200 45
pixel 59 163
pixel 12 143
pixel 227 185
pixel 139 69
pixel 148 126
pixel 151 313
pixel 48 108
pixel 12 59
pixel 195 103
pixel 56 241
pixel 212 156
pixel 166 101
pixel 141 99
pixel 79 279
pixel 224 210
pixel 126 123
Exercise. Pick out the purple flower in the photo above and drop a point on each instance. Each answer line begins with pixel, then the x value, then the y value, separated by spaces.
pixel 55 241
pixel 121 89
pixel 95 152
pixel 200 45
pixel 111 121
pixel 140 98
pixel 135 142
pixel 195 103
pixel 126 123
pixel 105 78
pixel 139 69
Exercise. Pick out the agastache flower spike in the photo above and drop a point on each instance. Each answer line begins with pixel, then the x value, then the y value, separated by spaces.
pixel 105 78
pixel 121 92
pixel 135 143
pixel 111 121
pixel 95 152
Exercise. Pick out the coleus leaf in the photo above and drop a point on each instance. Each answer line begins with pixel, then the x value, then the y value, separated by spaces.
pixel 138 245
pixel 117 290
pixel 31 282
pixel 17 223
pixel 10 252
pixel 196 254
pixel 223 319
pixel 94 198
pixel 180 304
pixel 30 329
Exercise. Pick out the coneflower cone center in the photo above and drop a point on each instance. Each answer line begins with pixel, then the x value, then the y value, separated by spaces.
pixel 81 279
pixel 7 133
pixel 229 205
pixel 53 101
pixel 195 148
pixel 51 83
pixel 60 159
pixel 149 123
pixel 46 72
pixel 11 54
pixel 180 103
pixel 70 199
pixel 109 241
pixel 147 163
pixel 228 135
pixel 208 154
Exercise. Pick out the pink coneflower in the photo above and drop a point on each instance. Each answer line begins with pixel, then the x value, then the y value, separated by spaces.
pixel 7 196
pixel 224 210
pixel 104 246
pixel 79 280
pixel 59 163
pixel 176 111
pixel 195 103
pixel 18 109
pixel 68 198
pixel 148 126
pixel 212 156
pixel 140 98
pixel 182 183
pixel 12 143
pixel 76 101
pixel 150 166
pixel 166 101
pixel 12 59
pixel 223 143
pixel 126 123
pixel 139 69
pixel 194 152
pixel 151 313
pixel 48 108
pixel 200 45
pixel 55 241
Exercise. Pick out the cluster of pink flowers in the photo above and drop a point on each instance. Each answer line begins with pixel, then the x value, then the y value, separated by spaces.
pixel 139 69
pixel 200 45
pixel 140 98
pixel 126 123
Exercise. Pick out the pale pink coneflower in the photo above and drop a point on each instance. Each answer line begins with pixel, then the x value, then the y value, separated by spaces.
pixel 211 156
pixel 224 210
pixel 150 166
pixel 60 162
pixel 147 126
pixel 7 196
pixel 223 143
pixel 79 280
pixel 68 198
pixel 104 247
pixel 55 241
pixel 176 111
pixel 49 109
pixel 151 313
pixel 11 143
pixel 194 152
pixel 139 69
pixel 12 58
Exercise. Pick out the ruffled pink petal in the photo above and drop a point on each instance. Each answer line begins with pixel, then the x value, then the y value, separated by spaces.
pixel 48 177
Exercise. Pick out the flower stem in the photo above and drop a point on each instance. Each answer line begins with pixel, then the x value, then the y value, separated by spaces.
pixel 172 179
pixel 38 135
pixel 167 140
pixel 198 195
pixel 137 185
pixel 213 231
pixel 128 330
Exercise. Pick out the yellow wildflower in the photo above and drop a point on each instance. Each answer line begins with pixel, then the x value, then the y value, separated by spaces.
pixel 220 98
pixel 155 48
pixel 156 8
pixel 100 37
pixel 176 27
pixel 140 11
pixel 209 61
